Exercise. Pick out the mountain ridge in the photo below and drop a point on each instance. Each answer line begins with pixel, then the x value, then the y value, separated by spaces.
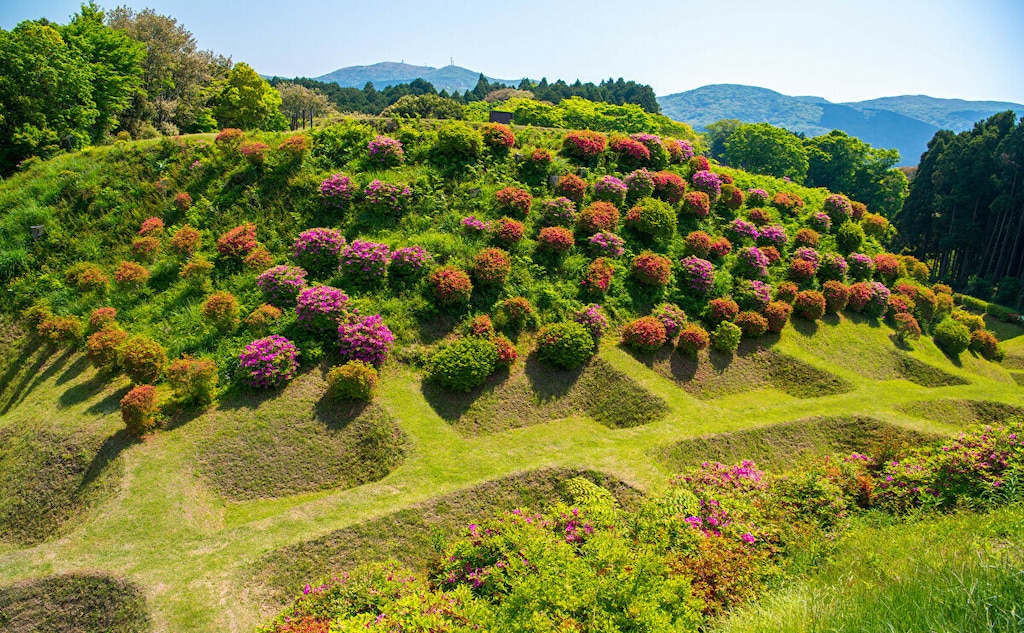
pixel 384 74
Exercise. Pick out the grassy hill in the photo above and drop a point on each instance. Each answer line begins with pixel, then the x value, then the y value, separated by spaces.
pixel 215 519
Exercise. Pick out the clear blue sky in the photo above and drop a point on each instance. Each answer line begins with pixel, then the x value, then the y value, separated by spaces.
pixel 843 50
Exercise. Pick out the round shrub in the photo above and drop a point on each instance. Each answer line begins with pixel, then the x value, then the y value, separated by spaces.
pixel 984 343
pixel 837 295
pixel 952 337
pixel 567 344
pixel 801 270
pixel 809 304
pixel 787 202
pixel 972 322
pixel 268 362
pixel 319 309
pixel 752 324
pixel 786 291
pixel 860 267
pixel 875 225
pixel 592 316
pixel 142 359
pixel 646 334
pixel 151 227
pixel 698 244
pixel 102 318
pixel 598 277
pixel 708 182
pixel 507 352
pixel 319 251
pixel 463 364
pixel 255 152
pixel 607 244
pixel 652 269
pixel 584 146
pixel 751 263
pixel 498 137
pixel 907 327
pixel 572 187
pixel 599 216
pixel 630 153
pixel 807 237
pixel 752 295
pixel 849 237
pixel 409 261
pixel 669 187
pixel 387 199
pixel 101 348
pixel 699 163
pixel 558 212
pixel 221 310
pixel 720 248
pixel 365 338
pixel 337 190
pixel 507 231
pixel 193 379
pixel 697 275
pixel 659 155
pixel 832 267
pixel 282 284
pixel 739 230
pixel 772 235
pixel 513 201
pixel 61 330
pixel 481 325
pixel 757 197
pixel 186 241
pixel 385 151
pixel 679 151
pixel 887 266
pixel 759 216
pixel 238 241
pixel 696 204
pixel 692 339
pixel 131 276
pixel 355 380
pixel 87 277
pixel 820 222
pixel 457 142
pixel 262 318
pixel 731 197
pixel 491 266
pixel 777 314
pixel 726 337
pixel 196 273
pixel 365 262
pixel 556 239
pixel 870 298
pixel 183 201
pixel 654 218
pixel 610 189
pixel 639 184
pixel 139 410
pixel 258 259
pixel 672 317
pixel 451 285
pixel 838 208
pixel 515 312
pixel 722 309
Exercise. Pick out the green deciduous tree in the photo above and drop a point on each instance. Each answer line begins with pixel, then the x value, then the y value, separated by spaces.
pixel 247 101
pixel 766 149
pixel 845 164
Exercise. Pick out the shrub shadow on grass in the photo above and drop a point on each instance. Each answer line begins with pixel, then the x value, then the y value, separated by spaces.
pixel 900 344
pixel 337 414
pixel 110 404
pixel 550 383
pixel 804 327
pixel 452 405
pixel 31 377
pixel 73 371
pixel 83 391
pixel 109 451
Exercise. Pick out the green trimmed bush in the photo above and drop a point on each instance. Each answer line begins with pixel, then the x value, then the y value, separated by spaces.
pixel 463 364
pixel 726 337
pixel 952 337
pixel 355 380
pixel 567 344
pixel 142 359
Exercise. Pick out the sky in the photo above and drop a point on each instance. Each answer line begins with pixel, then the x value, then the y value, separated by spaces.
pixel 843 50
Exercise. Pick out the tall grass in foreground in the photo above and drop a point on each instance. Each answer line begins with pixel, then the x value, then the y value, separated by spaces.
pixel 962 573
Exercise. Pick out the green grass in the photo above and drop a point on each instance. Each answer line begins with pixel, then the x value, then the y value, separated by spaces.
pixel 782 446
pixel 73 603
pixel 962 412
pixel 947 574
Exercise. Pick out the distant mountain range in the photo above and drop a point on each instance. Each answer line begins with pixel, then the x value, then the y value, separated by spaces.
pixel 384 74
pixel 906 123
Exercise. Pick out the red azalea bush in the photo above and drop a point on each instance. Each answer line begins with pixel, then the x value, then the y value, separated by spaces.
pixel 102 318
pixel 221 310
pixel 508 231
pixel 598 277
pixel 786 291
pixel 907 327
pixel 258 259
pixel 186 241
pixel 777 314
pixel 481 325
pixel 785 201
pixel 645 334
pixel 152 226
pixel 87 277
pixel 887 266
pixel 294 147
pixel 507 352
pixel 138 409
pixel 262 318
pixel 238 241
pixel 699 163
pixel 254 151
pixel 692 339
pixel 758 216
pixel 584 145
pixel 807 237
pixel 722 309
pixel 498 137
pixel 131 275
pixel 491 266
pixel 556 239
pixel 229 137
pixel 193 379
pixel 101 348
pixel 183 201
pixel 697 204
pixel 145 249
pixel 514 201
pixel 752 324
pixel 669 186
pixel 572 187
pixel 837 295
pixel 451 285
pixel 802 271
pixel 652 269
pixel 698 244
pixel 984 343
pixel 142 359
pixel 599 216
pixel 630 153
pixel 720 248
pixel 810 304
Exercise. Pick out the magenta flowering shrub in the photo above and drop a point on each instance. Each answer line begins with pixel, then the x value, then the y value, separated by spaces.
pixel 751 263
pixel 281 284
pixel 669 187
pixel 558 212
pixel 832 267
pixel 752 295
pixel 772 235
pixel 739 230
pixel 639 184
pixel 681 151
pixel 410 261
pixel 860 266
pixel 365 262
pixel 337 190
pixel 319 250
pixel 672 317
pixel 659 154
pixel 268 362
pixel 386 198
pixel 808 255
pixel 708 182
pixel 697 275
pixel 318 309
pixel 756 197
pixel 870 298
pixel 606 244
pixel 471 225
pixel 820 222
pixel 610 189
pixel 385 151
pixel 366 339
pixel 592 316
pixel 838 208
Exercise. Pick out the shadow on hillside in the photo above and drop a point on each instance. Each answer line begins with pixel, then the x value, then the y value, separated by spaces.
pixel 452 405
pixel 74 371
pixel 110 404
pixel 239 396
pixel 900 344
pixel 337 414
pixel 803 326
pixel 434 326
pixel 179 414
pixel 82 391
pixel 12 370
pixel 33 378
pixel 108 452
pixel 550 383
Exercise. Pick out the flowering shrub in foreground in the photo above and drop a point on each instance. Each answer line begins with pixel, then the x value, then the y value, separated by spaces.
pixel 752 324
pixel 319 250
pixel 592 316
pixel 696 204
pixel 652 269
pixel 810 304
pixel 268 362
pixel 708 182
pixel 463 364
pixel 698 244
pixel 672 317
pixel 558 212
pixel 101 348
pixel 679 151
pixel 282 284
pixel 337 190
pixel 777 314
pixel 907 327
pixel 102 318
pixel 669 186
pixel 692 339
pixel 451 285
pixel 491 266
pixel 646 334
pixel 572 187
pixel 697 275
pixel 409 261
pixel 871 298
pixel 837 296
pixel 138 409
pixel 193 379
pixel 567 344
pixel 61 330
pixel 142 359
pixel 722 309
pixel 365 338
pixel 354 380
pixel 498 137
pixel 584 145
pixel 130 275
pixel 610 189
pixel 630 153
pixel 556 239
pixel 365 262
pixel 238 241
pixel 319 309
pixel 186 241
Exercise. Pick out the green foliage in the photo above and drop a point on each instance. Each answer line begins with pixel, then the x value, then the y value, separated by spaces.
pixel 338 144
pixel 765 149
pixel 425 106
pixel 142 359
pixel 726 337
pixel 951 336
pixel 567 344
pixel 653 217
pixel 849 237
pixel 457 143
pixel 845 164
pixel 248 102
pixel 463 364
pixel 355 380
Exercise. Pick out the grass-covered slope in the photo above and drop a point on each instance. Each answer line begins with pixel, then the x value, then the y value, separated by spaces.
pixel 73 603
